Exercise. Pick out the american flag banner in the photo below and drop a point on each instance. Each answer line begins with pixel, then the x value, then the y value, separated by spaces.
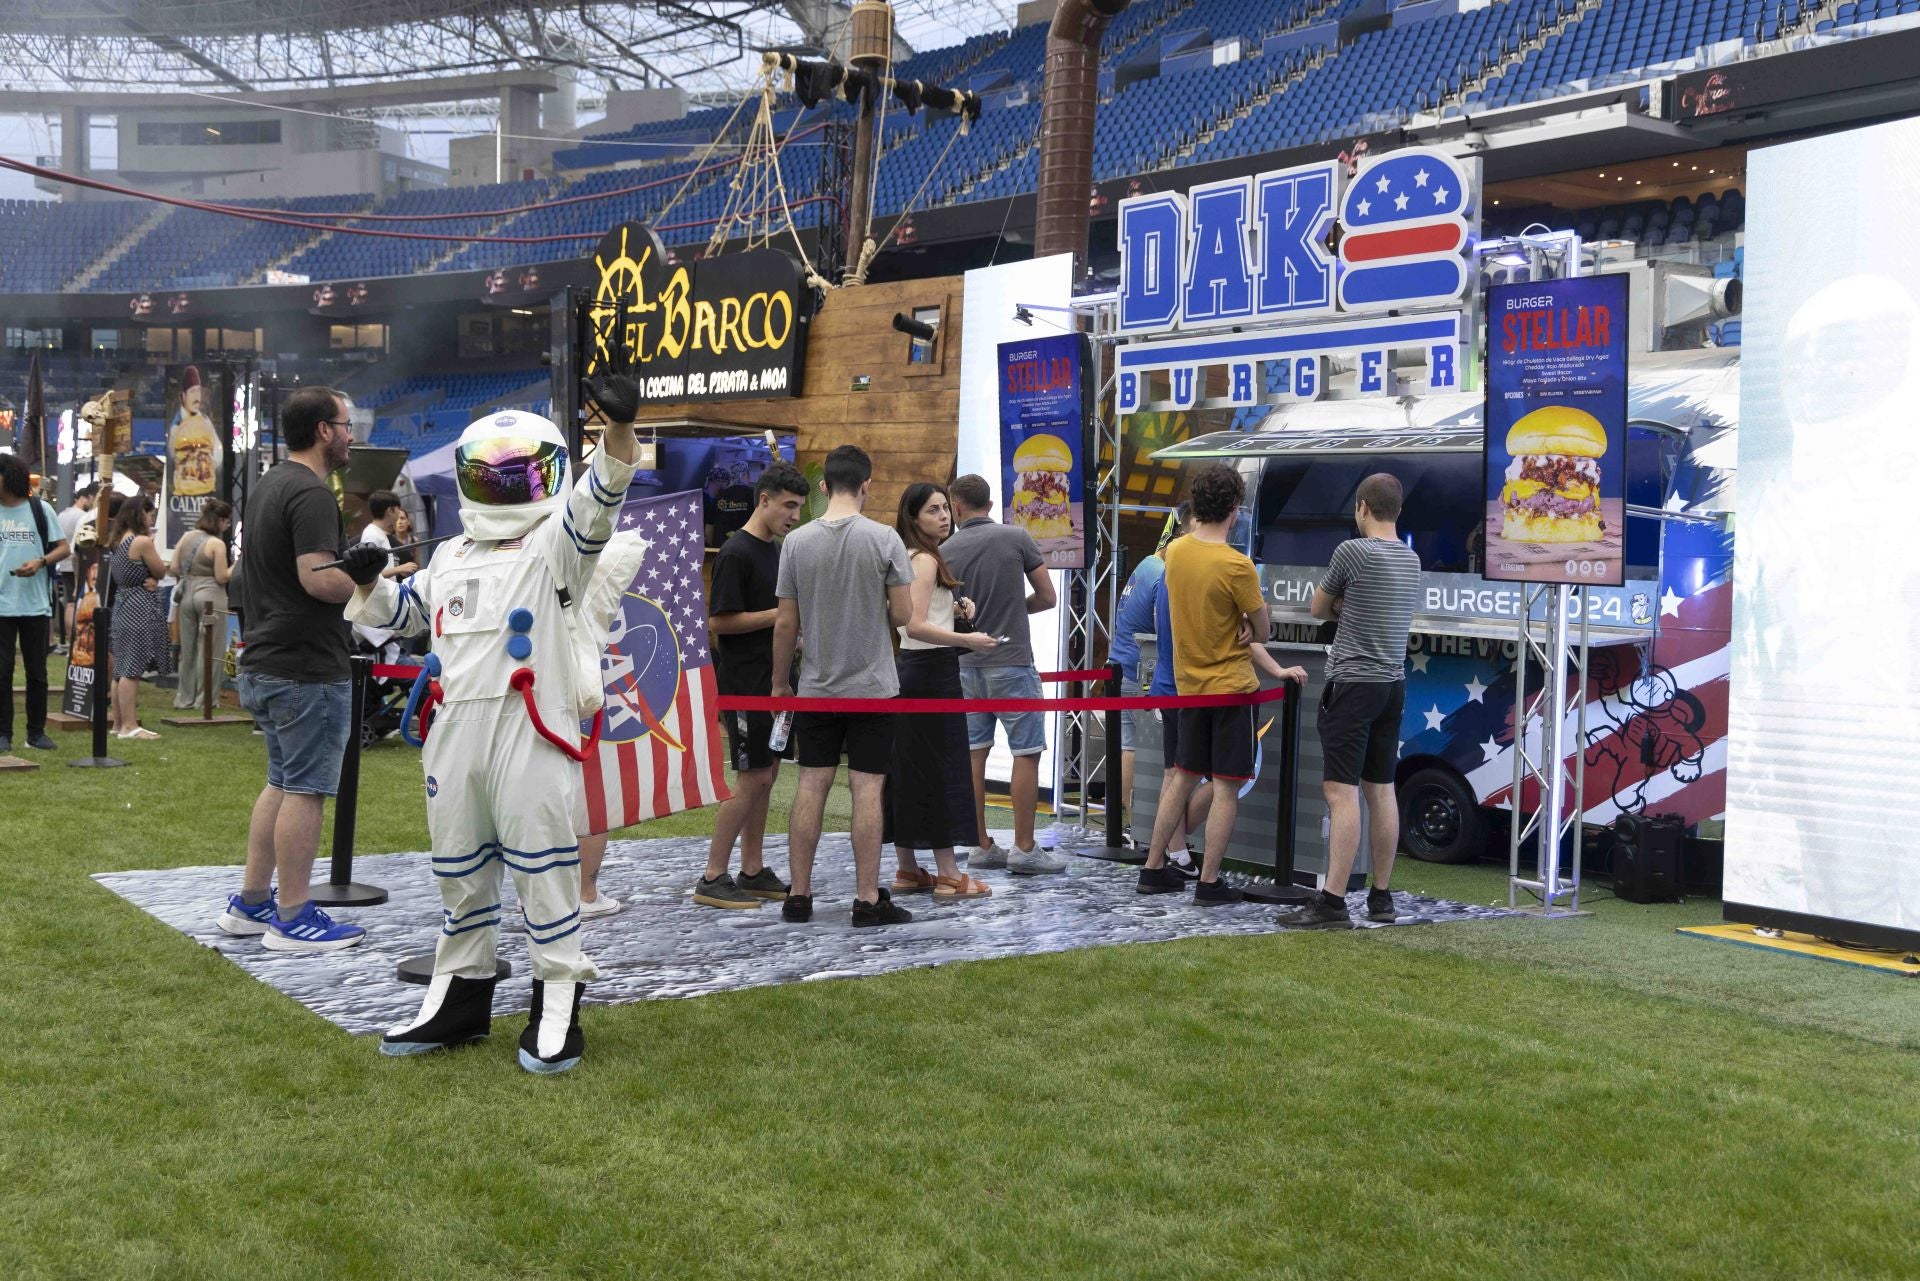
pixel 660 750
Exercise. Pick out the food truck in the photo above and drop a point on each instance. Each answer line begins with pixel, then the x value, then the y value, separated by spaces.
pixel 1656 699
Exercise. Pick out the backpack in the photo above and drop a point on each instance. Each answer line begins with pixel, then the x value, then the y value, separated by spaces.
pixel 39 511
pixel 589 620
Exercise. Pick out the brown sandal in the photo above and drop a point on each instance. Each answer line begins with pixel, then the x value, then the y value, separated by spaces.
pixel 917 881
pixel 948 889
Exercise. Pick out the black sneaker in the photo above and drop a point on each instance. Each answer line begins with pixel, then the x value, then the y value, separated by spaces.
pixel 762 884
pixel 798 908
pixel 1380 905
pixel 1183 862
pixel 1327 912
pixel 6 744
pixel 1160 880
pixel 721 892
pixel 879 912
pixel 41 743
pixel 1214 893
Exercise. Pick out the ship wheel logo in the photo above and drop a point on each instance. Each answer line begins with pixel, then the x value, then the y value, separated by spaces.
pixel 631 264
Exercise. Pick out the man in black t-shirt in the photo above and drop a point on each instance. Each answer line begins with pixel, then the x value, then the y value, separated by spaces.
pixel 293 672
pixel 742 608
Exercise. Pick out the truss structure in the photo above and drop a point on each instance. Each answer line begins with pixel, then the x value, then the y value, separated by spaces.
pixel 707 47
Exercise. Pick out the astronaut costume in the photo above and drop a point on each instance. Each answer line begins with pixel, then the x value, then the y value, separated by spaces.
pixel 500 791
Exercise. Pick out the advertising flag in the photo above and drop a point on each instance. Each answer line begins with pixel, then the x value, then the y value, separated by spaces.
pixel 660 749
pixel 1556 449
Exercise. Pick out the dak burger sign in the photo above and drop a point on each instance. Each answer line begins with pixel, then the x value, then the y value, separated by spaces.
pixel 727 328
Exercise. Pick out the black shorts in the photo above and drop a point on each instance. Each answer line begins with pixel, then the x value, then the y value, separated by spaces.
pixel 819 739
pixel 1360 730
pixel 747 734
pixel 1169 738
pixel 1216 742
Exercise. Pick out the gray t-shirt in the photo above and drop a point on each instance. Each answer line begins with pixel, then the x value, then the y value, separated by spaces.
pixel 837 572
pixel 1380 582
pixel 992 562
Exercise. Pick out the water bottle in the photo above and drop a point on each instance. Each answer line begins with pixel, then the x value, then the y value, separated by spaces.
pixel 782 726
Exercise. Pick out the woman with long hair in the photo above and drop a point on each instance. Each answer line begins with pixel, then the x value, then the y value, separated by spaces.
pixel 200 565
pixel 137 636
pixel 929 804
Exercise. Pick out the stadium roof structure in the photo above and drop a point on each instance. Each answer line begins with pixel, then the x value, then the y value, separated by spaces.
pixel 706 47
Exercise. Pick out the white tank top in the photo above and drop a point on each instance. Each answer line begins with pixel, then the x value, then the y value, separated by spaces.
pixel 939 614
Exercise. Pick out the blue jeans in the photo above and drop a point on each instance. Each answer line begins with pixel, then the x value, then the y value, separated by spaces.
pixel 1026 731
pixel 1129 688
pixel 306 724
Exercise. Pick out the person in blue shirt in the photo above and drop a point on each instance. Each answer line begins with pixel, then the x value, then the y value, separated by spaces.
pixel 31 543
pixel 1153 610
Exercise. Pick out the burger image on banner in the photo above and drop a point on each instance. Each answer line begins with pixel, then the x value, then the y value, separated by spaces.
pixel 194 445
pixel 1552 490
pixel 1042 497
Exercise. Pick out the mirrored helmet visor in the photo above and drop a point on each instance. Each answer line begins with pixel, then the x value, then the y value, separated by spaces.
pixel 509 471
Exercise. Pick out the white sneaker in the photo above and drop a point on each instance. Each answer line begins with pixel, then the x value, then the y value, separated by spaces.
pixel 1035 861
pixel 605 905
pixel 989 855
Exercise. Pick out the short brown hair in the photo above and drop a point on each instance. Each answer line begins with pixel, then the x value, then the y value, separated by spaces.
pixel 1382 495
pixel 1216 491
pixel 972 492
pixel 301 416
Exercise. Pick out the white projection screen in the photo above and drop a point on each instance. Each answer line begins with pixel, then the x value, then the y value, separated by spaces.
pixel 1823 770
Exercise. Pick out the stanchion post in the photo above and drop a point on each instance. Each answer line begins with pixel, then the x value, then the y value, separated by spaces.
pixel 102 635
pixel 1117 799
pixel 340 889
pixel 1287 779
pixel 206 667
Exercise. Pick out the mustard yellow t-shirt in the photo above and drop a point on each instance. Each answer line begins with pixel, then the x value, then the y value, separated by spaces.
pixel 1210 588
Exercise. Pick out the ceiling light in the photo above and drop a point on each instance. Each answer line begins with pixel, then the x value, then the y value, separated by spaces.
pixel 1603 173
pixel 1693 169
pixel 1676 164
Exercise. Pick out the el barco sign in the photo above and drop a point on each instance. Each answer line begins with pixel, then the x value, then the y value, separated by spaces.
pixel 1253 253
pixel 725 328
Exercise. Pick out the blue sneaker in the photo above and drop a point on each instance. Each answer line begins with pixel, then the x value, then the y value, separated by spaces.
pixel 311 931
pixel 248 921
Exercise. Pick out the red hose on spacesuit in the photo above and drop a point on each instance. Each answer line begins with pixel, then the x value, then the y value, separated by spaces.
pixel 522 680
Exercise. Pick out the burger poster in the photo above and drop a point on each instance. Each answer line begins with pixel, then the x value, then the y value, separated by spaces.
pixel 1042 430
pixel 193 454
pixel 1556 446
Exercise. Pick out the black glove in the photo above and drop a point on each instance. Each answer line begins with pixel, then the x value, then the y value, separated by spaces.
pixel 616 395
pixel 364 562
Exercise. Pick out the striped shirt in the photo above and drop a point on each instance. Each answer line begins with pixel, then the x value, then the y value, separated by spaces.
pixel 1379 581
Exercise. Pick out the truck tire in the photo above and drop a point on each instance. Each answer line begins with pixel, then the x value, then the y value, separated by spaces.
pixel 1440 819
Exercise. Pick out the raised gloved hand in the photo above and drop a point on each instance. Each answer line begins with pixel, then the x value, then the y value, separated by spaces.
pixel 616 395
pixel 364 562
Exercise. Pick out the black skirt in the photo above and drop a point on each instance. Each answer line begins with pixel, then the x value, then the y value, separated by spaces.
pixel 929 794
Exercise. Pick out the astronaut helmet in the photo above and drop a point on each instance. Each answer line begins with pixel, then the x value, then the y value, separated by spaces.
pixel 511 470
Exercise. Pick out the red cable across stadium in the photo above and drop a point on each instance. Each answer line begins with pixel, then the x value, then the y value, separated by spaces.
pixel 256 215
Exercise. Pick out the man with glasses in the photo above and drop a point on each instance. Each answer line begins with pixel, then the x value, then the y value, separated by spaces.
pixel 294 677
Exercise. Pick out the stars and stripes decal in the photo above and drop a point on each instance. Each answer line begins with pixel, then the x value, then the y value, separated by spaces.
pixel 1656 716
pixel 660 751
pixel 1407 220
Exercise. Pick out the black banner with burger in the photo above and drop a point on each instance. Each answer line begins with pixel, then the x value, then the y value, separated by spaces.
pixel 726 328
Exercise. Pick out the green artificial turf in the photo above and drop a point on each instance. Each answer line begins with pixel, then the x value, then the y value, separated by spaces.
pixel 1587 1098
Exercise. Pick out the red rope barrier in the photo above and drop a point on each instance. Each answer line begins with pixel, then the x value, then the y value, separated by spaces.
pixel 893 706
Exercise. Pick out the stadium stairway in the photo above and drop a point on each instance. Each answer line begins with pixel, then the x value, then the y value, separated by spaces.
pixel 118 250
pixel 1477 86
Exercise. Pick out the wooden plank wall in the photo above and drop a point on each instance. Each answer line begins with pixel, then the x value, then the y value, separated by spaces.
pixel 908 419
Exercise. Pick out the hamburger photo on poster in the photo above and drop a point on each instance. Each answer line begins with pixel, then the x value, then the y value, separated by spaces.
pixel 1557 432
pixel 1042 422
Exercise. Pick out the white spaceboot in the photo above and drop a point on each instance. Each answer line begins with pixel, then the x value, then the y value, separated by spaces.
pixel 552 1042
pixel 455 1012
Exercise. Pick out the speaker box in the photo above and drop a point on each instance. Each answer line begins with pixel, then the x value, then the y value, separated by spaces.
pixel 1646 857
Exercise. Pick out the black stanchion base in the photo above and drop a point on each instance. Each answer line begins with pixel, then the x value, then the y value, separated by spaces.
pixel 419 969
pixel 1280 893
pixel 96 762
pixel 352 894
pixel 1114 853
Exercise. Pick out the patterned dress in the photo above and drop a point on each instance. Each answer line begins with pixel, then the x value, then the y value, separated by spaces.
pixel 138 635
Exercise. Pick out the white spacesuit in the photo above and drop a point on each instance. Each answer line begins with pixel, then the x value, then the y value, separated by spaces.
pixel 499 605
